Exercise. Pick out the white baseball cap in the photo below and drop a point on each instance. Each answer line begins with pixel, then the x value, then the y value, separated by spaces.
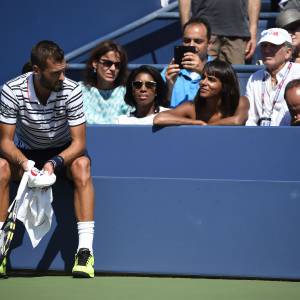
pixel 276 36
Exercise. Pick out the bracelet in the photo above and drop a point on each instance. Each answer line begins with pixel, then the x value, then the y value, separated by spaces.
pixel 57 162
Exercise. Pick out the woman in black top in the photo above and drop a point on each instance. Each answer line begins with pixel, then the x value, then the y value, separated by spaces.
pixel 217 102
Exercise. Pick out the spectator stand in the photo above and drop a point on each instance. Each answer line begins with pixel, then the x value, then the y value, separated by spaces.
pixel 150 40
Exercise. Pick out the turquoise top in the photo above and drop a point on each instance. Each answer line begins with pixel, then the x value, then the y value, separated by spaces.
pixel 103 106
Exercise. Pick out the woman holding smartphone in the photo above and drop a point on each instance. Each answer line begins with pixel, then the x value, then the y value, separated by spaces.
pixel 217 102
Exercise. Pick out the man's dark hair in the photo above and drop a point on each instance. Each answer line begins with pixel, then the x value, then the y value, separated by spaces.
pixel 27 67
pixel 44 50
pixel 199 21
pixel 292 84
pixel 104 47
pixel 161 90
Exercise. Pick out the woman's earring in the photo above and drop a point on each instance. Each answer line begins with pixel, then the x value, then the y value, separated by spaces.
pixel 94 70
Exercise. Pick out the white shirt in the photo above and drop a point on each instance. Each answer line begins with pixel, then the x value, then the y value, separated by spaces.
pixel 256 88
pixel 132 120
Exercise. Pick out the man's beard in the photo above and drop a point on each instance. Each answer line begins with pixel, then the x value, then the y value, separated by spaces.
pixel 51 87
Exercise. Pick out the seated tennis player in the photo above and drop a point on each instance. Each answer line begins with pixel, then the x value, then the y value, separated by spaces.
pixel 42 119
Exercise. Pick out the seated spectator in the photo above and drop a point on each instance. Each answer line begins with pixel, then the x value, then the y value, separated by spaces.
pixel 146 92
pixel 183 84
pixel 104 85
pixel 265 88
pixel 292 98
pixel 217 102
pixel 290 20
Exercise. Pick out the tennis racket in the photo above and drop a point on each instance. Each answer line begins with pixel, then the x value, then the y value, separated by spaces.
pixel 9 226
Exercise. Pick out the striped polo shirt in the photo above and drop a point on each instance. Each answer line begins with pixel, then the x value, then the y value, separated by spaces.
pixel 39 126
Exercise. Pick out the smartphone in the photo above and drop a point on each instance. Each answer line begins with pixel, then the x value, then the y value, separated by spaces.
pixel 179 53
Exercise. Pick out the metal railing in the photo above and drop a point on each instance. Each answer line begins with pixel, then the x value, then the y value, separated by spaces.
pixel 115 34
pixel 175 15
pixel 162 13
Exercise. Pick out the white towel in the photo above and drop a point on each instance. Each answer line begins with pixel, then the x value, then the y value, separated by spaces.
pixel 35 209
pixel 36 212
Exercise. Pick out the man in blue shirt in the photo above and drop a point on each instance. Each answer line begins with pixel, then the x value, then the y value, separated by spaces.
pixel 183 84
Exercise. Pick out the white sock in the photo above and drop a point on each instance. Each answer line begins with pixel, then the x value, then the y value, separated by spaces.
pixel 1 224
pixel 85 235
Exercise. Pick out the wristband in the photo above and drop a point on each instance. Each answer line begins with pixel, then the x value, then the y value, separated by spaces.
pixel 57 162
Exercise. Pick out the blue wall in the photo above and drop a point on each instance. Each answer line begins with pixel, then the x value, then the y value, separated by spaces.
pixel 70 23
pixel 206 201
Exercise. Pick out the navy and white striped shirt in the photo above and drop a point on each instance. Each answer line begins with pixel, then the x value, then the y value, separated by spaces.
pixel 39 126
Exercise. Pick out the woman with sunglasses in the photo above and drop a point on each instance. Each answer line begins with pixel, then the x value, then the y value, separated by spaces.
pixel 146 92
pixel 104 85
pixel 217 102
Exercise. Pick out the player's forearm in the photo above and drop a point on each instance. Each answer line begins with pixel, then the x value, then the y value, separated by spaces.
pixel 184 10
pixel 75 150
pixel 10 152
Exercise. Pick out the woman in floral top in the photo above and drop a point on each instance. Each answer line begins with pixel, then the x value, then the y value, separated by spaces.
pixel 104 85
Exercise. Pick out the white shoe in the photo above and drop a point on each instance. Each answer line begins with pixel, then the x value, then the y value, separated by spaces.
pixel 40 179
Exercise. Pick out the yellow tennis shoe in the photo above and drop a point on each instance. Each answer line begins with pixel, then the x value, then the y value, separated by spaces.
pixel 84 264
pixel 3 268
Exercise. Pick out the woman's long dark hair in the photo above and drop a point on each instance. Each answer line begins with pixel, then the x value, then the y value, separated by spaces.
pixel 230 93
pixel 161 94
pixel 104 47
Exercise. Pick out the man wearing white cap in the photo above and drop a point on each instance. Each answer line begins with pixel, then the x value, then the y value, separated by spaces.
pixel 265 88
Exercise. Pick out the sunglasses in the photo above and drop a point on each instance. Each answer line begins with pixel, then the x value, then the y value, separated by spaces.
pixel 108 63
pixel 148 84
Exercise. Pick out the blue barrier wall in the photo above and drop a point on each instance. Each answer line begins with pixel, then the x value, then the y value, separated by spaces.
pixel 204 201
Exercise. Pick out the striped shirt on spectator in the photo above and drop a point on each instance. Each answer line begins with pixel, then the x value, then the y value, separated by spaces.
pixel 41 126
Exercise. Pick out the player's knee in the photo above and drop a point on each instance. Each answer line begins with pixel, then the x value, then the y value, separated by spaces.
pixel 4 170
pixel 81 169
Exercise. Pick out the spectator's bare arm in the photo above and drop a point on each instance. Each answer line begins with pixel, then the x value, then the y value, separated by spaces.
pixel 184 11
pixel 171 76
pixel 183 114
pixel 253 15
pixel 240 116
